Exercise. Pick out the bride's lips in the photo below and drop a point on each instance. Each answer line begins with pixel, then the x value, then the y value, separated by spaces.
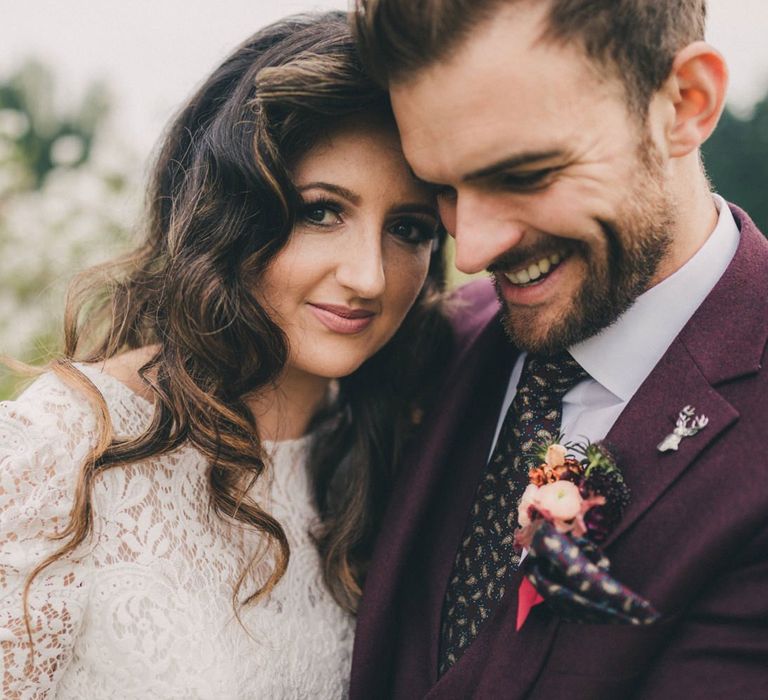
pixel 342 319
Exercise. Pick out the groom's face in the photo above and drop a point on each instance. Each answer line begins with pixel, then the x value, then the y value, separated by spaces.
pixel 548 181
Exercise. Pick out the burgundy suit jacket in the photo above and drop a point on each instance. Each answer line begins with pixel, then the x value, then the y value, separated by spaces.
pixel 694 539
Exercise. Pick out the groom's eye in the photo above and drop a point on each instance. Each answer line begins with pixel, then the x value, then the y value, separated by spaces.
pixel 529 181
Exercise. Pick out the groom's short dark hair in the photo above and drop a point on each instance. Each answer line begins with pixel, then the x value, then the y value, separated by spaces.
pixel 636 39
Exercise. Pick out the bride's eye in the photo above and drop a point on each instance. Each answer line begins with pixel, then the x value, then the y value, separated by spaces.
pixel 321 213
pixel 414 231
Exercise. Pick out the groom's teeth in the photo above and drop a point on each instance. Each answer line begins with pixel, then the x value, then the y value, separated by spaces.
pixel 535 270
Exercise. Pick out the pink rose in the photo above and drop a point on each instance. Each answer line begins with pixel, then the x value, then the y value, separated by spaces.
pixel 561 503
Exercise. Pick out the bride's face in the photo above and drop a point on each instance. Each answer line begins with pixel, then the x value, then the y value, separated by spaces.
pixel 358 254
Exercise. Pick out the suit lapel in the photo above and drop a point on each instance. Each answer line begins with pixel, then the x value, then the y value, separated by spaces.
pixel 723 340
pixel 650 417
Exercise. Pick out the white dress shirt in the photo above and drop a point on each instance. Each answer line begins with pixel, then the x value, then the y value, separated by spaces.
pixel 620 357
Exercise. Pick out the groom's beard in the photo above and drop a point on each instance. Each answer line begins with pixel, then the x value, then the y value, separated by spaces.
pixel 636 241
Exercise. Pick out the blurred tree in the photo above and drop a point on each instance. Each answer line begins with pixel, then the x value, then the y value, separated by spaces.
pixel 68 197
pixel 45 139
pixel 736 157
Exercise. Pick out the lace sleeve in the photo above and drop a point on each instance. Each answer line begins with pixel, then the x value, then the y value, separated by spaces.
pixel 44 437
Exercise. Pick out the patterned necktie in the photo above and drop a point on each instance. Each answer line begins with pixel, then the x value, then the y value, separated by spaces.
pixel 486 554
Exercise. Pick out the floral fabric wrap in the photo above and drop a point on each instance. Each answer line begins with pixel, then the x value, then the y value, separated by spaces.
pixel 572 575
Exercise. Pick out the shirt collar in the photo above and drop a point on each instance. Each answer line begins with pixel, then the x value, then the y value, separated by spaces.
pixel 621 356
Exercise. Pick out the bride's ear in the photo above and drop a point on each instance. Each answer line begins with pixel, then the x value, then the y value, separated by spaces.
pixel 696 89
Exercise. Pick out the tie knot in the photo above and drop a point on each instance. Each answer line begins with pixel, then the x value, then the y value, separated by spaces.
pixel 550 376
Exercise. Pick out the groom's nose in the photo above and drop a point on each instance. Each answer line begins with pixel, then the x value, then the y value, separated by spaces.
pixel 484 229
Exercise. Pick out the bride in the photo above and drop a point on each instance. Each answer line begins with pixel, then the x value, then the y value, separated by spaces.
pixel 188 497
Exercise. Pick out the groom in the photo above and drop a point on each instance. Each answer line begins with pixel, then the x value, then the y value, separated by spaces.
pixel 564 138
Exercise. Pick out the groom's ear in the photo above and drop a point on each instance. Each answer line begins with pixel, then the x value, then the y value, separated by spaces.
pixel 695 91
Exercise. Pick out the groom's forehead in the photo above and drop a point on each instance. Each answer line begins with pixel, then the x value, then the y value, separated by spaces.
pixel 514 34
pixel 508 53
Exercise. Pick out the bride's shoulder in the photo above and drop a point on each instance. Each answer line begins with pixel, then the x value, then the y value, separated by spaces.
pixel 49 430
pixel 124 368
pixel 46 435
pixel 66 408
pixel 49 408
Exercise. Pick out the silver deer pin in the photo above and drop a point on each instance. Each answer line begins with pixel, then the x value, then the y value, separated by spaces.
pixel 685 427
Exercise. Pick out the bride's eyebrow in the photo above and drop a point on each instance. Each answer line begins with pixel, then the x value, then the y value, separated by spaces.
pixel 349 195
pixel 415 208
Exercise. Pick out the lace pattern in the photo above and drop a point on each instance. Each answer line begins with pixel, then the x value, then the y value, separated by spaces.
pixel 144 608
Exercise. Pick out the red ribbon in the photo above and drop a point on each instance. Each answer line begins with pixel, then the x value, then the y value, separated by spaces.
pixel 527 597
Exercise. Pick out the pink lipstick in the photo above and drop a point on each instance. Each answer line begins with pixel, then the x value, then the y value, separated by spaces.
pixel 342 319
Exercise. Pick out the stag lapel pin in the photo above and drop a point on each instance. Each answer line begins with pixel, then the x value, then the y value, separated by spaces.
pixel 686 426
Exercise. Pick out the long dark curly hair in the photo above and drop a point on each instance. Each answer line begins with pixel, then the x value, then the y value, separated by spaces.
pixel 220 206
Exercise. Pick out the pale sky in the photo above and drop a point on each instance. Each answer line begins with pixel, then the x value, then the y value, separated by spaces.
pixel 152 53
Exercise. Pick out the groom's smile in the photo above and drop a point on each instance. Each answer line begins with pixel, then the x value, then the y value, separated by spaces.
pixel 536 272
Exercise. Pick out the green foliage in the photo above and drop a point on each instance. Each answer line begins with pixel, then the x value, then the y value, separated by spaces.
pixel 736 158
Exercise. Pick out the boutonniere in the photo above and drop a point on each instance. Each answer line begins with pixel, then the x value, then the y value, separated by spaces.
pixel 575 497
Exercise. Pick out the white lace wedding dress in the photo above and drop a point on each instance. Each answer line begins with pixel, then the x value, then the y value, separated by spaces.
pixel 144 608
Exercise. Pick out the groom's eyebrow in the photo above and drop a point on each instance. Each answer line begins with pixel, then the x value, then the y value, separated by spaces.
pixel 511 163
